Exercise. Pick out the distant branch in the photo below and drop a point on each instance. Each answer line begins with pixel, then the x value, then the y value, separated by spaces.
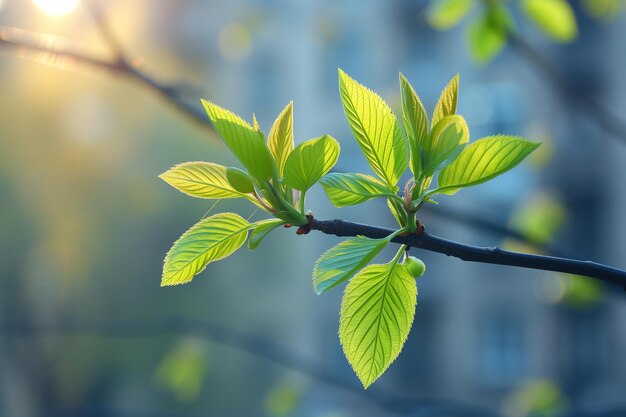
pixel 256 345
pixel 488 255
pixel 602 116
pixel 56 51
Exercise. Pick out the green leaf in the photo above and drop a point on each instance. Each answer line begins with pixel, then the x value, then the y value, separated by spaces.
pixel 487 37
pixel 280 140
pixel 483 160
pixel 375 128
pixel 446 141
pixel 239 180
pixel 341 261
pixel 445 14
pixel 398 211
pixel 415 121
pixel 262 229
pixel 209 240
pixel 310 161
pixel 446 105
pixel 376 315
pixel 555 18
pixel 350 189
pixel 201 179
pixel 244 141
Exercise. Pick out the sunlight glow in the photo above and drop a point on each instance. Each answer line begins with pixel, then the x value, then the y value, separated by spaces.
pixel 56 7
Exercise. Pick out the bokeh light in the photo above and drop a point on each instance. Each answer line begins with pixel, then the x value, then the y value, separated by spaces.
pixel 235 42
pixel 56 7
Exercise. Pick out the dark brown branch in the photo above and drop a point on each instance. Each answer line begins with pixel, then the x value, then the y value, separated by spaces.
pixel 488 255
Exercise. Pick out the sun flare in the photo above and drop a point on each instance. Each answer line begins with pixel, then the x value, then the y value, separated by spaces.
pixel 56 7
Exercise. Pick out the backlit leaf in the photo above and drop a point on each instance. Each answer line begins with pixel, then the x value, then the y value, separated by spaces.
pixel 310 161
pixel 447 103
pixel 244 141
pixel 280 140
pixel 445 14
pixel 415 121
pixel 375 128
pixel 201 179
pixel 445 143
pixel 555 18
pixel 209 240
pixel 239 180
pixel 261 230
pixel 376 316
pixel 483 160
pixel 350 189
pixel 343 260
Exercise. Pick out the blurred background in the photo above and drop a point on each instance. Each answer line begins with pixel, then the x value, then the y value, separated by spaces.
pixel 100 98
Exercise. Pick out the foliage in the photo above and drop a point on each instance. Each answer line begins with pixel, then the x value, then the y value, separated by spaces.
pixel 379 301
pixel 491 26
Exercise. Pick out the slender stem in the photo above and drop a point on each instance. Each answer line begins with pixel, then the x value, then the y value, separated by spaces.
pixel 399 254
pixel 301 201
pixel 489 255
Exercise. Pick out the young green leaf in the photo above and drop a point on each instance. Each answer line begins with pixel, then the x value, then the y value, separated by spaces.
pixel 376 315
pixel 375 128
pixel 487 35
pixel 483 160
pixel 209 240
pixel 201 179
pixel 445 14
pixel 446 105
pixel 243 140
pixel 555 18
pixel 350 189
pixel 341 261
pixel 415 123
pixel 262 229
pixel 446 141
pixel 239 180
pixel 310 161
pixel 280 140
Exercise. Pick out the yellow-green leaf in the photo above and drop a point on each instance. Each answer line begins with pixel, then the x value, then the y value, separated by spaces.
pixel 350 189
pixel 415 121
pixel 555 18
pixel 447 103
pixel 445 143
pixel 280 140
pixel 375 128
pixel 483 160
pixel 261 230
pixel 244 141
pixel 209 240
pixel 239 180
pixel 445 14
pixel 341 261
pixel 310 161
pixel 201 179
pixel 376 316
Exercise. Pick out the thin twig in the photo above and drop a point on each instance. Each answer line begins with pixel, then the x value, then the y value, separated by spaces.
pixel 489 255
pixel 25 41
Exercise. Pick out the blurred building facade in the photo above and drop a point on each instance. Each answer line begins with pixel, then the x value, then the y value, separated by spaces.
pixel 481 333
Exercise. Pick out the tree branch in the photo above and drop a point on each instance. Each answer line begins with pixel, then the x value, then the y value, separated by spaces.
pixel 21 41
pixel 489 255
